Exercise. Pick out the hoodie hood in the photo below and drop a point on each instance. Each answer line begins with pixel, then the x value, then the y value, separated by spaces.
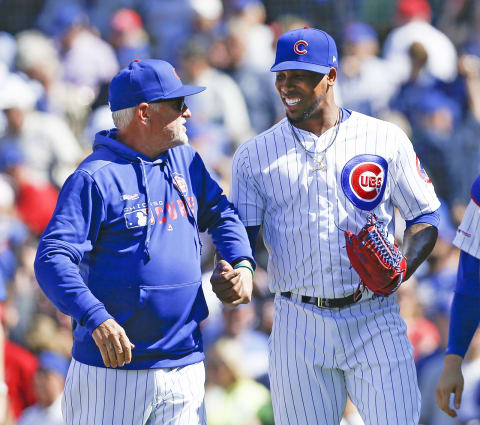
pixel 108 139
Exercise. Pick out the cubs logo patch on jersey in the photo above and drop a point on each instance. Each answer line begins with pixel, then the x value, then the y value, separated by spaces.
pixel 364 179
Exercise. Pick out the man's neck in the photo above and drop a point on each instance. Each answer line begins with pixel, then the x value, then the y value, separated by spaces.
pixel 321 121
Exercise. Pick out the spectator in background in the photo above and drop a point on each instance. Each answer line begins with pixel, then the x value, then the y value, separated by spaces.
pixel 50 148
pixel 414 25
pixel 20 365
pixel 7 49
pixel 35 198
pixel 38 58
pixel 435 117
pixel 13 234
pixel 223 103
pixel 365 81
pixel 264 107
pixel 128 37
pixel 231 398
pixel 240 324
pixel 49 382
pixel 437 282
pixel 207 17
pixel 175 30
pixel 257 37
pixel 430 367
pixel 88 61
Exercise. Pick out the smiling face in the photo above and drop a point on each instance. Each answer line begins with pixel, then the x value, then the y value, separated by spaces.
pixel 303 93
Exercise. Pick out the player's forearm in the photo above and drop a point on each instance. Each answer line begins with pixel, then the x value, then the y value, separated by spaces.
pixel 418 242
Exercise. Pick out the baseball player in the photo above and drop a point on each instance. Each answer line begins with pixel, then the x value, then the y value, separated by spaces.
pixel 465 311
pixel 121 255
pixel 307 180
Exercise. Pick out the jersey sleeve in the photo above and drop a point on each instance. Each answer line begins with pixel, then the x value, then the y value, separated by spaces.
pixel 468 232
pixel 244 191
pixel 412 190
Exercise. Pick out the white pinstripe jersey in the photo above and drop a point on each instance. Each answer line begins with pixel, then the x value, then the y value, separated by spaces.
pixel 468 233
pixel 371 167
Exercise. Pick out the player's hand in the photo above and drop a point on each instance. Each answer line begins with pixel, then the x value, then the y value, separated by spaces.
pixel 113 343
pixel 232 286
pixel 450 381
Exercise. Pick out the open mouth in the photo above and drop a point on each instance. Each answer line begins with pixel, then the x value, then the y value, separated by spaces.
pixel 292 101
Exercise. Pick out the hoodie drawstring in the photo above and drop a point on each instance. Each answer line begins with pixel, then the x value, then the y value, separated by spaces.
pixel 147 200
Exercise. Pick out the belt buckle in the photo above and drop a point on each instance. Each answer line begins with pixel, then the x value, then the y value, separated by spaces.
pixel 323 303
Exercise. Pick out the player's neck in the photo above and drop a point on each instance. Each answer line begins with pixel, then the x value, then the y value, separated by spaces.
pixel 321 120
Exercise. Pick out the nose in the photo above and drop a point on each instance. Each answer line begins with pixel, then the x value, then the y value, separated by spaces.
pixel 186 112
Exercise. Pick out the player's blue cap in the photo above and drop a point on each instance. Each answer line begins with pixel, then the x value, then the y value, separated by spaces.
pixel 146 81
pixel 309 49
pixel 51 361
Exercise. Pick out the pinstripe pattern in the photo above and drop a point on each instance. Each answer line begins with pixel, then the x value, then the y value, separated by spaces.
pixel 303 213
pixel 319 356
pixel 468 233
pixel 365 353
pixel 101 396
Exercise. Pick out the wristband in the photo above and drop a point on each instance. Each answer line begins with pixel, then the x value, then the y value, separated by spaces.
pixel 246 264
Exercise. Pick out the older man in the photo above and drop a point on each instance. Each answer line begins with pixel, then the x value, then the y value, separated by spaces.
pixel 121 255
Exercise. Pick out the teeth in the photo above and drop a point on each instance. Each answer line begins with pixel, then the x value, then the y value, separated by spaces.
pixel 291 102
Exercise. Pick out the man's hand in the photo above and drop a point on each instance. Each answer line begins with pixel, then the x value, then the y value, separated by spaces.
pixel 450 381
pixel 232 286
pixel 113 343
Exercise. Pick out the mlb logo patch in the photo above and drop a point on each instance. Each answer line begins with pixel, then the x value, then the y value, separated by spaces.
pixel 137 219
pixel 364 180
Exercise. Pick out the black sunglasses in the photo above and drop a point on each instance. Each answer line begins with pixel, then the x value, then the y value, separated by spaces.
pixel 177 103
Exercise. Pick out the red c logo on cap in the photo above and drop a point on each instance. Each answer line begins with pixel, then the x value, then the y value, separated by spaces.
pixel 300 47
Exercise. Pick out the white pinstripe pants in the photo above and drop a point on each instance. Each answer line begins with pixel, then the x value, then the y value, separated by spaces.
pixel 104 396
pixel 317 356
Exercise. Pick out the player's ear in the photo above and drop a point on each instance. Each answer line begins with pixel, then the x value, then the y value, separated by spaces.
pixel 332 76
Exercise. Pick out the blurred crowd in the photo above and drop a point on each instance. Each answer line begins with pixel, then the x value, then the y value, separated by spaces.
pixel 412 62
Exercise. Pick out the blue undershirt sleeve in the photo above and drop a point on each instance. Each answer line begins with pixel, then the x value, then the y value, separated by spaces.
pixel 465 312
pixel 432 218
pixel 252 232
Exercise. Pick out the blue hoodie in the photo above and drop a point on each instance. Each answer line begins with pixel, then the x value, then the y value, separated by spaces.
pixel 124 243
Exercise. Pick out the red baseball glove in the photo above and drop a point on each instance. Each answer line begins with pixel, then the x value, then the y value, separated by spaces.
pixel 379 263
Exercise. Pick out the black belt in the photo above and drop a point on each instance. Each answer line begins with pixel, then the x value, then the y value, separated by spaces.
pixel 326 302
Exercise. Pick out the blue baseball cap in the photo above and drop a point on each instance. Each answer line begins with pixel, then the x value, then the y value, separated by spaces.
pixel 309 49
pixel 51 361
pixel 146 81
pixel 358 32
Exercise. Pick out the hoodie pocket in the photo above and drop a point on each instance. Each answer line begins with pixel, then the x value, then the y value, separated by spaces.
pixel 167 319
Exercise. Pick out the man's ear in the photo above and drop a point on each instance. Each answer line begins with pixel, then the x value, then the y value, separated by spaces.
pixel 332 76
pixel 143 113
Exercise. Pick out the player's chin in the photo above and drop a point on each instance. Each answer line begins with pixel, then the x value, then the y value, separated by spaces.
pixel 296 116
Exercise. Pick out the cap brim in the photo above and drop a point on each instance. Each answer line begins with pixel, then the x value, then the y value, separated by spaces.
pixel 305 66
pixel 185 90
